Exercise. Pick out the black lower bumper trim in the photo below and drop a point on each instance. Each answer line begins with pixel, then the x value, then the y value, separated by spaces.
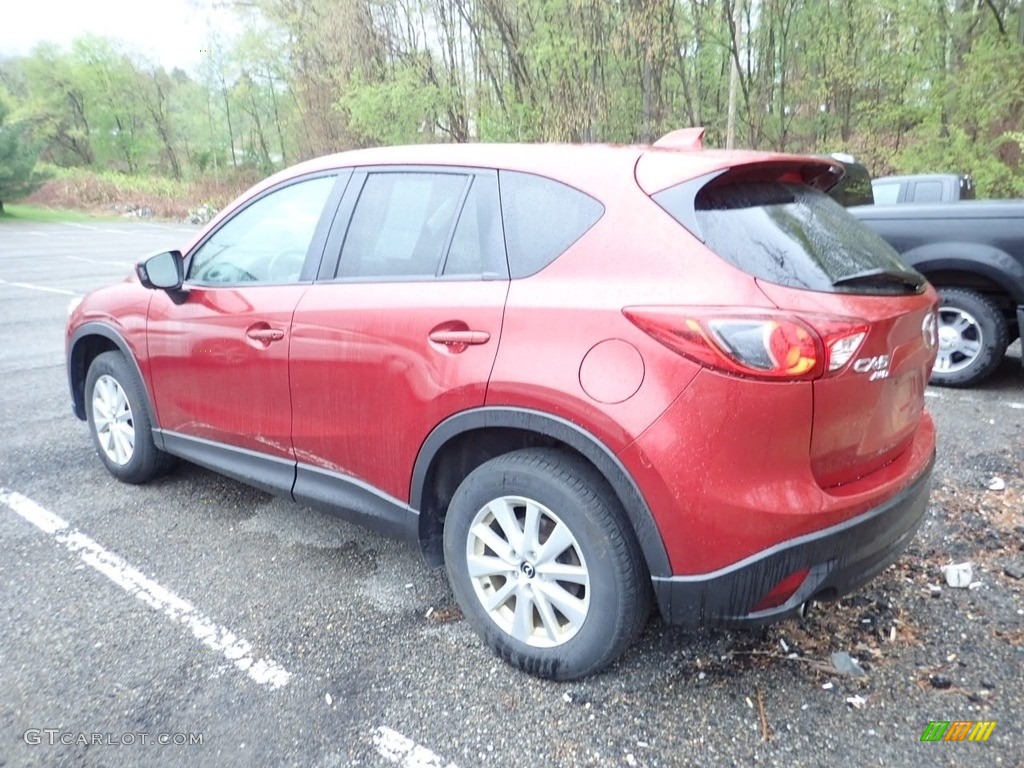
pixel 839 559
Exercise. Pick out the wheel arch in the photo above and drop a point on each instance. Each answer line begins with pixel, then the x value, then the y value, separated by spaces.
pixel 466 440
pixel 87 343
pixel 976 267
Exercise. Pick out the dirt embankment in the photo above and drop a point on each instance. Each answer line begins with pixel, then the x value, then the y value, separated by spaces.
pixel 196 200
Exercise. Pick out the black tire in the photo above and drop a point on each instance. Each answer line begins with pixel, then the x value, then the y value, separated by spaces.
pixel 562 488
pixel 968 318
pixel 144 461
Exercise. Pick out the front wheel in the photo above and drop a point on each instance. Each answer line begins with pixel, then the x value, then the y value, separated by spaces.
pixel 544 564
pixel 120 426
pixel 972 338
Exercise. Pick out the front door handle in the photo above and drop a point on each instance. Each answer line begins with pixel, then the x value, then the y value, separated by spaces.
pixel 265 335
pixel 460 337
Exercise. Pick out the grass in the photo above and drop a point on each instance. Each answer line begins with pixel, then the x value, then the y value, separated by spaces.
pixel 17 212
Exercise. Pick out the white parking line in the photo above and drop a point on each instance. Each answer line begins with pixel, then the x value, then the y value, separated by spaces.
pixel 40 288
pixel 403 751
pixel 215 637
pixel 101 261
pixel 96 229
pixel 970 399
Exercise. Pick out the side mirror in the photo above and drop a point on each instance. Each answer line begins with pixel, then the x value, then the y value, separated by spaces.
pixel 163 271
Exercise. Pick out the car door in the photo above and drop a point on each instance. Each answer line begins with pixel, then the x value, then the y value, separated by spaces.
pixel 218 350
pixel 402 328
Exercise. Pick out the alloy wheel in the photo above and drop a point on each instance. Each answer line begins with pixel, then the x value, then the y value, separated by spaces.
pixel 960 340
pixel 528 571
pixel 112 417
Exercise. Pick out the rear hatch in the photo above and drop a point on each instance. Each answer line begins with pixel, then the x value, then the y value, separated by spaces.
pixel 873 315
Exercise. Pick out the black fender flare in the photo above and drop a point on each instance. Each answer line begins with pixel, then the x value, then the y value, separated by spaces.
pixel 573 435
pixel 76 368
pixel 989 262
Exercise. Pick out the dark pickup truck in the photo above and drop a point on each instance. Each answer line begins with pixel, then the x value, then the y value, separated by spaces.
pixel 973 253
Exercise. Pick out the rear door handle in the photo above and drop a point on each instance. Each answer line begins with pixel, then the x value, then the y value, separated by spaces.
pixel 460 337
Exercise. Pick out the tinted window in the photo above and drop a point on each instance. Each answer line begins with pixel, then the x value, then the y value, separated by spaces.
pixel 401 224
pixel 542 219
pixel 477 247
pixel 267 241
pixel 928 192
pixel 886 193
pixel 796 236
pixel 854 188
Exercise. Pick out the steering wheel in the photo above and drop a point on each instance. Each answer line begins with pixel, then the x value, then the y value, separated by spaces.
pixel 228 273
pixel 286 265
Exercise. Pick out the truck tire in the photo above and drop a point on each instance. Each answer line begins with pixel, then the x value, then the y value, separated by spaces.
pixel 972 337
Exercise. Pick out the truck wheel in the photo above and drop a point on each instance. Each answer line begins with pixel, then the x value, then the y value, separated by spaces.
pixel 972 338
pixel 544 565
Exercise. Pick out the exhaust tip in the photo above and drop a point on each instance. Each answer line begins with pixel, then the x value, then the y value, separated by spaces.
pixel 804 609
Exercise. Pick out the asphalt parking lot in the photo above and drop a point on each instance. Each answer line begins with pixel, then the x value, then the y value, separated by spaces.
pixel 245 630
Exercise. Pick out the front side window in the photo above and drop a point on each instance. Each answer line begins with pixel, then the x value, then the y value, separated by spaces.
pixel 402 224
pixel 928 192
pixel 268 240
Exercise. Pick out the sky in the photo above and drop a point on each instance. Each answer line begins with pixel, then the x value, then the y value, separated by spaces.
pixel 173 33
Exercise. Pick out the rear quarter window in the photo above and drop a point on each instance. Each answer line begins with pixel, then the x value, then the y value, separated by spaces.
pixel 542 218
pixel 793 235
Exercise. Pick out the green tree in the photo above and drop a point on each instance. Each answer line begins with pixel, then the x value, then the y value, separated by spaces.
pixel 18 157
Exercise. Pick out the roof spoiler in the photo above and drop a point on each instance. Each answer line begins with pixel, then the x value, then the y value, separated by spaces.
pixel 689 139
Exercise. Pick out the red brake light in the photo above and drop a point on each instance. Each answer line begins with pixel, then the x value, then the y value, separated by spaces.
pixel 761 344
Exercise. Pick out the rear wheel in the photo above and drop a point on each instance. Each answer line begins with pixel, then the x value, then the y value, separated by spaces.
pixel 120 427
pixel 972 338
pixel 544 565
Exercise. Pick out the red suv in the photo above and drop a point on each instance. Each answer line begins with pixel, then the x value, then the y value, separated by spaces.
pixel 583 378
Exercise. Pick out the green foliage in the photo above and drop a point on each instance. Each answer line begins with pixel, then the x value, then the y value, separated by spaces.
pixel 18 158
pixel 400 110
pixel 906 85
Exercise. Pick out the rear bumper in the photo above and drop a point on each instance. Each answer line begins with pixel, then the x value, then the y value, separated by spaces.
pixel 840 559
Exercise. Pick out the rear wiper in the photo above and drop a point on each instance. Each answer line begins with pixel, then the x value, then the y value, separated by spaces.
pixel 913 281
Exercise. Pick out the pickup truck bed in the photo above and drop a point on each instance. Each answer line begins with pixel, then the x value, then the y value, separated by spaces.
pixel 973 253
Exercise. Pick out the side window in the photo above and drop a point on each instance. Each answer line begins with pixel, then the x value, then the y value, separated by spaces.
pixel 928 192
pixel 885 193
pixel 267 241
pixel 542 219
pixel 477 247
pixel 401 224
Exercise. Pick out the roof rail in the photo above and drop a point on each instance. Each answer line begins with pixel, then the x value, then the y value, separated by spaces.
pixel 684 138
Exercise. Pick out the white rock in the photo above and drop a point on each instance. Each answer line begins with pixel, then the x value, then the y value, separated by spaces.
pixel 959 575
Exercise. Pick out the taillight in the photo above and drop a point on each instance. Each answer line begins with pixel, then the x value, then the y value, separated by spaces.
pixel 762 344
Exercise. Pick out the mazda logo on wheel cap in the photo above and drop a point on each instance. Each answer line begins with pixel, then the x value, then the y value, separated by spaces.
pixel 928 330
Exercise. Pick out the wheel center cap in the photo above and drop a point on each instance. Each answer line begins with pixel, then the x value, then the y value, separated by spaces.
pixel 527 569
pixel 948 337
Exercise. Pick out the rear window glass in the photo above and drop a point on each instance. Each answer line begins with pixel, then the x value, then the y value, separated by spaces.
pixel 887 193
pixel 796 236
pixel 542 219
